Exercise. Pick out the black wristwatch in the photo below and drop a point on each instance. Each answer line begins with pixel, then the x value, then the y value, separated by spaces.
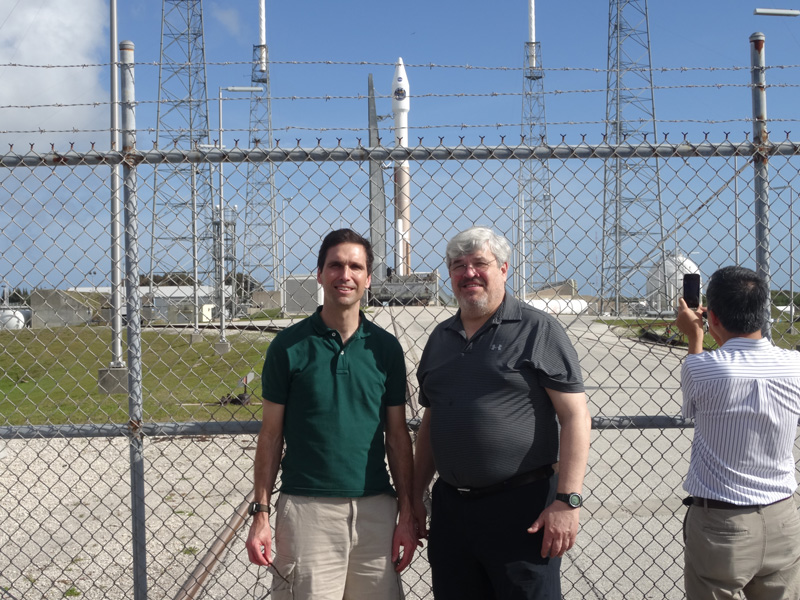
pixel 573 500
pixel 255 507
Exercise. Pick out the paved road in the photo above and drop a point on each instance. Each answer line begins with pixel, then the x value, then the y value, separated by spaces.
pixel 630 545
pixel 623 376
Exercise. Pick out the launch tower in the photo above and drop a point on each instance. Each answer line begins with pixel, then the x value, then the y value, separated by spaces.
pixel 182 208
pixel 260 248
pixel 536 240
pixel 632 207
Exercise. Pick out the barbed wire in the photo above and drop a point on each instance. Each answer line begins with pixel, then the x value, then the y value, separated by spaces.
pixel 466 67
pixel 330 97
pixel 463 126
pixel 500 149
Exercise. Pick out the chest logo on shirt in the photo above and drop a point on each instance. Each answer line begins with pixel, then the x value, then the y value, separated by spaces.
pixel 496 347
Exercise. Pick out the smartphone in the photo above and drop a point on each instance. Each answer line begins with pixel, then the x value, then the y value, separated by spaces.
pixel 691 289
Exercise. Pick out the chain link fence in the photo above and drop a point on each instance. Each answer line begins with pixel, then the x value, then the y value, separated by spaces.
pixel 140 290
pixel 66 469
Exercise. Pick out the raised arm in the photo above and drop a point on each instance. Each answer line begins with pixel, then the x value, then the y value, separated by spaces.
pixel 690 323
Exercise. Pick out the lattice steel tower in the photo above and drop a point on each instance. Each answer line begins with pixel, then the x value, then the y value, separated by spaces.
pixel 260 251
pixel 633 225
pixel 183 209
pixel 536 260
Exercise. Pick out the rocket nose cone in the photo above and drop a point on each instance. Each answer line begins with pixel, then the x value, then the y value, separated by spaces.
pixel 400 88
pixel 400 73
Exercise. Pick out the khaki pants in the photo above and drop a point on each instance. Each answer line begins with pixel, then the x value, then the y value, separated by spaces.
pixel 335 548
pixel 751 553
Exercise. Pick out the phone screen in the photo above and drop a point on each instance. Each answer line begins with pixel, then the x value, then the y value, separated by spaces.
pixel 691 289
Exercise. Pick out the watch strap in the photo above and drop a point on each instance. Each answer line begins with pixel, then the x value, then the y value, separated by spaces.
pixel 572 500
pixel 255 507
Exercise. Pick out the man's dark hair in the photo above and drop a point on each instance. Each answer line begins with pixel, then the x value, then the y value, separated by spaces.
pixel 739 298
pixel 344 236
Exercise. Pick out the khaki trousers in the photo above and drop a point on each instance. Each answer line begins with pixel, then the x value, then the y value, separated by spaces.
pixel 751 553
pixel 335 548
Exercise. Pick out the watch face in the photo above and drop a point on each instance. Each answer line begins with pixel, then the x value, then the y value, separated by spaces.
pixel 575 500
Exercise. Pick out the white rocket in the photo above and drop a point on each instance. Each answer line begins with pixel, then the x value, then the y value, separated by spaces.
pixel 262 37
pixel 401 104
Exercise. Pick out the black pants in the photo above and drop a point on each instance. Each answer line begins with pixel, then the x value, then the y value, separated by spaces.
pixel 480 547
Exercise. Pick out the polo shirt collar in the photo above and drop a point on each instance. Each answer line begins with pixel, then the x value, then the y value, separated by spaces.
pixel 321 329
pixel 510 310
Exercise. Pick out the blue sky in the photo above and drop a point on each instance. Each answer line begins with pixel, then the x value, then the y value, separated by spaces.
pixel 697 36
pixel 573 35
pixel 700 53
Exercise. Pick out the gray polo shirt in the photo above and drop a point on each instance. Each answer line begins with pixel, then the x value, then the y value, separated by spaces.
pixel 491 417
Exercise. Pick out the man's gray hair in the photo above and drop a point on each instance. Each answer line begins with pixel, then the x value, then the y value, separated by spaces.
pixel 474 239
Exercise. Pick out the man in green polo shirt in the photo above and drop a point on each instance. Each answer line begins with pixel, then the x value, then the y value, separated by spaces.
pixel 333 385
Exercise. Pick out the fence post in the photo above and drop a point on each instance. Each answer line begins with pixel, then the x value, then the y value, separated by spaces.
pixel 760 162
pixel 116 234
pixel 113 380
pixel 134 310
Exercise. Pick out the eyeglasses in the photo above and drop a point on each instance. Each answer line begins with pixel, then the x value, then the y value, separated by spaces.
pixel 479 267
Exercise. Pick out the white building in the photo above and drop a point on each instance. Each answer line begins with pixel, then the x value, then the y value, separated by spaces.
pixel 663 297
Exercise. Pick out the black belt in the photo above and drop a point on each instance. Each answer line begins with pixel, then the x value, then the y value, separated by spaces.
pixel 708 503
pixel 509 484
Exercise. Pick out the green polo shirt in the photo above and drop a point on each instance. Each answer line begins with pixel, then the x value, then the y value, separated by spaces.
pixel 335 397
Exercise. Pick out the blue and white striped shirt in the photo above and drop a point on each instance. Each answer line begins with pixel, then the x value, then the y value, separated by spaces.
pixel 745 399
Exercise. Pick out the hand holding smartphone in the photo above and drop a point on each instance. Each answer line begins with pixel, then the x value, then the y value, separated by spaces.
pixel 691 289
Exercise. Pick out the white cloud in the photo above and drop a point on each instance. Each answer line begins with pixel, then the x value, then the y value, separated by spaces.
pixel 228 18
pixel 53 32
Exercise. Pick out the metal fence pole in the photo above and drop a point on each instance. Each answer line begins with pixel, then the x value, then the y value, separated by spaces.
pixel 760 161
pixel 116 233
pixel 134 307
pixel 112 380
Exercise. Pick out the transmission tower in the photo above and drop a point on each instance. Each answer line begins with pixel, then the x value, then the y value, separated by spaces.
pixel 260 253
pixel 536 240
pixel 183 211
pixel 633 223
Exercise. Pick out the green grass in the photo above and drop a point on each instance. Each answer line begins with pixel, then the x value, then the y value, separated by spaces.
pixel 49 376
pixel 637 327
pixel 268 314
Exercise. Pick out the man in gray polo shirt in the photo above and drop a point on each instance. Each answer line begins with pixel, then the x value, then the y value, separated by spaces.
pixel 496 380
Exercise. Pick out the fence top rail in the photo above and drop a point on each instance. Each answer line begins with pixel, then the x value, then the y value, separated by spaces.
pixel 251 427
pixel 420 153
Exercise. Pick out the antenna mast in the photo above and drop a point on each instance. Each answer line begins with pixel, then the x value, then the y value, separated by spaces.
pixel 260 253
pixel 536 260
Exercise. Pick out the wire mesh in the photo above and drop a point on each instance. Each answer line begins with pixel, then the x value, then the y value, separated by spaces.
pixel 65 498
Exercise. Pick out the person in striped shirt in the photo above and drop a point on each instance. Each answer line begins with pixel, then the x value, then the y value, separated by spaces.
pixel 742 529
